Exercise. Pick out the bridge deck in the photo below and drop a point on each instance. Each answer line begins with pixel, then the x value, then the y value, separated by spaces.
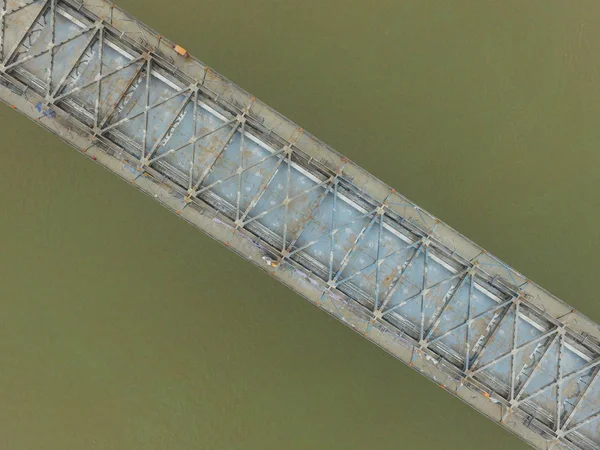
pixel 250 178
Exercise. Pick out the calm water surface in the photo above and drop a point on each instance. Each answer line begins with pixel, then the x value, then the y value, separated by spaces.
pixel 124 328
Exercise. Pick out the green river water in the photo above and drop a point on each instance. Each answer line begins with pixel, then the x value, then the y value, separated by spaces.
pixel 122 327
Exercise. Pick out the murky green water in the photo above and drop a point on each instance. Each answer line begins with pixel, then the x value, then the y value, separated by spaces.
pixel 121 327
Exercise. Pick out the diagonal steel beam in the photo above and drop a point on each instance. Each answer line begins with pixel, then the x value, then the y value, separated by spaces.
pixel 138 114
pixel 584 422
pixel 376 263
pixel 536 368
pixel 471 319
pixel 378 313
pixel 100 78
pixel 328 184
pixel 329 233
pixel 238 172
pixel 88 44
pixel 287 150
pixel 350 253
pixel 572 375
pixel 173 125
pixel 412 297
pixel 122 95
pixel 331 183
pixel 48 49
pixel 206 172
pixel 379 213
pixel 241 121
pixel 579 401
pixel 445 307
pixel 541 337
pixel 291 199
pixel 38 16
pixel 182 146
pixel 263 188
pixel 488 337
pixel 148 161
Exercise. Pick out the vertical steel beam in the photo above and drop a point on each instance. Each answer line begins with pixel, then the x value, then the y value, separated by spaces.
pixel 332 238
pixel 2 25
pixel 423 287
pixel 468 332
pixel 511 387
pixel 52 43
pixel 287 203
pixel 146 108
pixel 240 174
pixel 559 370
pixel 100 75
pixel 377 260
pixel 195 131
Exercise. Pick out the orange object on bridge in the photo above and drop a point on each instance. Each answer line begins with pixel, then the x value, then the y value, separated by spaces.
pixel 181 51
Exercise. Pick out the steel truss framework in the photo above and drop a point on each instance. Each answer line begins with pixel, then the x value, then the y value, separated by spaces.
pixel 132 101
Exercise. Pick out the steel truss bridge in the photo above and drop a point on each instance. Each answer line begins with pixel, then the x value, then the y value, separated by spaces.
pixel 137 104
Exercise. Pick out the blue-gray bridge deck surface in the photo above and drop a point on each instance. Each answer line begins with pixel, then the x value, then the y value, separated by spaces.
pixel 202 146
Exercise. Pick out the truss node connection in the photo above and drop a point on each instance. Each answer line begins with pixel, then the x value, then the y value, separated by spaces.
pixel 140 106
